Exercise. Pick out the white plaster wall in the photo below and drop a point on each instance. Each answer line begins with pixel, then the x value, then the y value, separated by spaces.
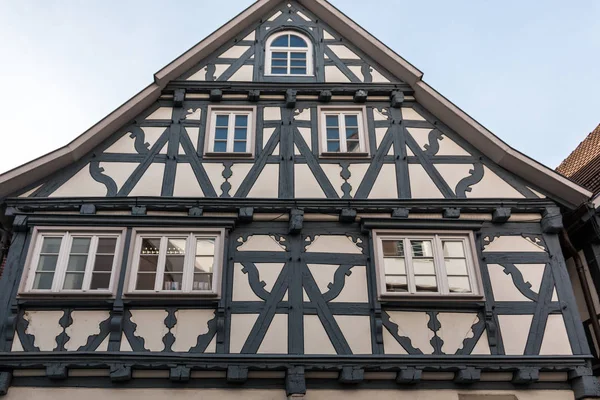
pixel 357 70
pixel 151 327
pixel 215 175
pixel 556 340
pixel 421 135
pixel 260 243
pixel 385 184
pixel 355 288
pixel 454 173
pixel 119 172
pixel 334 74
pixel 513 243
pixel 241 287
pixel 45 327
pixel 343 52
pixel 193 114
pixel 268 273
pixel 303 115
pixel 515 330
pixel 161 113
pixel 411 115
pixel 333 172
pixel 333 244
pixel 357 174
pixel 150 184
pixel 30 192
pixel 193 135
pixel 272 114
pixel 190 325
pixel 85 324
pixel 199 75
pixel 244 74
pixel 306 185
pixel 492 186
pixel 82 185
pixel 275 340
pixel 391 345
pixel 238 174
pixel 219 69
pixel 421 185
pixel 377 77
pixel 414 326
pixel 434 394
pixel 124 145
pixel 186 184
pixel 234 52
pixel 455 327
pixel 357 332
pixel 152 134
pixel 267 184
pixel 323 275
pixel 448 147
pixel 241 325
pixel 502 285
pixel 316 340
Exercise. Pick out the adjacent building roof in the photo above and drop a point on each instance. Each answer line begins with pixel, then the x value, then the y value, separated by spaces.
pixel 583 164
pixel 498 151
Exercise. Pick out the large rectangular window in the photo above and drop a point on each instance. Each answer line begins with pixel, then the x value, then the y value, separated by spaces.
pixel 342 131
pixel 73 262
pixel 231 131
pixel 425 264
pixel 178 262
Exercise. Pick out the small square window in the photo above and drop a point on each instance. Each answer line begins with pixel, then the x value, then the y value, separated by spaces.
pixel 230 131
pixel 425 264
pixel 177 263
pixel 342 131
pixel 73 262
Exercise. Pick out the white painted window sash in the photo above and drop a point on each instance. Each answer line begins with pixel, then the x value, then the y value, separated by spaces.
pixel 230 129
pixel 341 116
pixel 308 52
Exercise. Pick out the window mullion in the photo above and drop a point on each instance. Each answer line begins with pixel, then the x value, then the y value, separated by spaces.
pixel 188 264
pixel 342 125
pixel 230 132
pixel 410 275
pixel 470 260
pixel 89 265
pixel 61 263
pixel 162 259
pixel 440 265
pixel 289 62
pixel 136 263
pixel 113 274
pixel 362 140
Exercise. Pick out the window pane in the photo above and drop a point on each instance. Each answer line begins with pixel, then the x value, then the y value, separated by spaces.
pixel 282 41
pixel 423 266
pixel 202 281
pixel 426 283
pixel 298 71
pixel 222 120
pixel 278 63
pixel 241 120
pixel 173 281
pixel 298 63
pixel 279 71
pixel 221 134
pixel 100 281
pixel 220 147
pixel 333 146
pixel 107 245
pixel 298 56
pixel 240 133
pixel 351 120
pixel 352 133
pixel 296 41
pixel 396 284
pixel 333 133
pixel 145 281
pixel 239 147
pixel 453 248
pixel 77 263
pixel 51 245
pixel 205 247
pixel 73 281
pixel 204 264
pixel 393 248
pixel 103 263
pixel 456 266
pixel 80 246
pixel 459 284
pixel 353 146
pixel 421 248
pixel 174 264
pixel 394 266
pixel 331 120
pixel 279 55
pixel 43 280
pixel 150 246
pixel 47 263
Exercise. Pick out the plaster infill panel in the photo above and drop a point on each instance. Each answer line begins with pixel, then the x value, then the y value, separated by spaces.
pixel 334 74
pixel 260 243
pixel 190 325
pixel 241 290
pixel 513 243
pixel 85 324
pixel 81 185
pixel 341 244
pixel 413 325
pixel 357 332
pixel 150 184
pixel 503 286
pixel 455 328
pixel 244 74
pixel 316 340
pixel 305 183
pixel 275 340
pixel 556 340
pixel 186 184
pixel 492 186
pixel 151 327
pixel 515 330
pixel 44 326
pixel 421 185
pixel 267 183
pixel 241 325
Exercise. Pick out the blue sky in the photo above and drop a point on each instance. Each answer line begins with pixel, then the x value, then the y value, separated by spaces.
pixel 527 70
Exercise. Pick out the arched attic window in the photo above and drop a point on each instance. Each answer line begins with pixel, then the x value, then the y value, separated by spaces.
pixel 289 53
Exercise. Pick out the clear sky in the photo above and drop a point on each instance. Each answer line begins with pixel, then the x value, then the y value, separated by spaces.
pixel 527 70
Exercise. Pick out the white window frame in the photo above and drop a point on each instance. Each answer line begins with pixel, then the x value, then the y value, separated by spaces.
pixel 439 263
pixel 213 112
pixel 67 235
pixel 360 112
pixel 307 50
pixel 188 269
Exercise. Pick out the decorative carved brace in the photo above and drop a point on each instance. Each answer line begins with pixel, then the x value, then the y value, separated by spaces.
pixel 296 221
pixel 501 215
pixel 178 97
pixel 87 209
pixel 56 371
pixel 352 375
pixel 409 375
pixel 295 382
pixel 325 96
pixel 254 95
pixel 180 373
pixel 360 96
pixel 378 326
pixel 467 375
pixel 237 374
pixel 396 99
pixel 290 98
pixel 526 375
pixel 348 215
pixel 491 328
pixel 246 214
pixel 220 316
pixel 451 213
pixel 120 372
pixel 196 212
pixel 138 210
pixel 216 95
pixel 400 213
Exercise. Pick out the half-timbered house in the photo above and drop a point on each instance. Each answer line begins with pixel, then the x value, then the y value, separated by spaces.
pixel 288 209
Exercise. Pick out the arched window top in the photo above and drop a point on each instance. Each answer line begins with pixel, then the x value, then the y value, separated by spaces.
pixel 289 53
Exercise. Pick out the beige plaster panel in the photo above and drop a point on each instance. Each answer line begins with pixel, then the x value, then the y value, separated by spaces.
pixel 193 133
pixel 234 52
pixel 421 185
pixel 421 136
pixel 514 244
pixel 357 173
pixel 30 393
pixel 306 185
pixel 238 174
pixel 151 327
pixel 274 16
pixel 323 275
pixel 272 114
pixel 436 394
pixel 449 147
pixel 219 69
pixel 150 184
pixel 492 186
pixel 152 134
pixel 333 244
pixel 306 134
pixel 391 345
pixel 343 52
pixel 333 172
pixel 556 340
pixel 380 115
pixel 377 77
pixel 276 150
pixel 538 194
pixel 385 184
pixel 251 36
pixel 302 115
pixel 186 184
pixel 119 172
pixel 275 340
pixel 482 347
pixel 267 133
pixel 454 173
pixel 161 113
pixel 410 114
pixel 268 273
pixel 244 74
pixel 334 74
pixel 514 330
pixel 124 145
pixel 414 326
pixel 503 286
pixel 455 327
pixel 379 135
pixel 81 185
pixel 193 114
pixel 85 324
pixel 355 288
pixel 260 243
pixel 241 325
pixel 327 35
pixel 16 344
pixel 303 16
pixel 266 185
pixel 215 175
pixel 200 75
pixel 190 325
pixel 357 70
pixel 357 332
pixel 45 327
pixel 316 340
pixel 241 287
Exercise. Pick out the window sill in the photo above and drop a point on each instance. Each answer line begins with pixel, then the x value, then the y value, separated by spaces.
pixel 70 295
pixel 169 295
pixel 344 155
pixel 430 297
pixel 228 155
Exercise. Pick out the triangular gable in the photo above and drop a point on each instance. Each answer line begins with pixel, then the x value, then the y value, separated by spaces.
pixel 25 177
